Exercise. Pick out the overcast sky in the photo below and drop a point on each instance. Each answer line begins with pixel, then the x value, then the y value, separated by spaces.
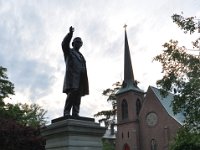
pixel 31 32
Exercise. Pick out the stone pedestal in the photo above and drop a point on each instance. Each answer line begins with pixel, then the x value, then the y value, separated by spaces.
pixel 73 134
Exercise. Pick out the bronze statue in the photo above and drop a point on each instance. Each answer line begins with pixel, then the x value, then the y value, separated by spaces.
pixel 76 80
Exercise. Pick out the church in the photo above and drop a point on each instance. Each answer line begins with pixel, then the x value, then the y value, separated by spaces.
pixel 145 120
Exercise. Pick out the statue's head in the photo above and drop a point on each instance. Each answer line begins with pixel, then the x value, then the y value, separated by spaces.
pixel 77 43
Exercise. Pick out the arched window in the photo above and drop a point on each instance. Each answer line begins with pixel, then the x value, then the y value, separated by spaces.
pixel 153 144
pixel 124 107
pixel 126 147
pixel 138 106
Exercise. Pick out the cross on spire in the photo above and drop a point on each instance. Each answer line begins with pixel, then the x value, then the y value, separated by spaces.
pixel 125 26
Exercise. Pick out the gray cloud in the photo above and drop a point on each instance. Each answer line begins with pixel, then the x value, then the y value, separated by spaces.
pixel 22 36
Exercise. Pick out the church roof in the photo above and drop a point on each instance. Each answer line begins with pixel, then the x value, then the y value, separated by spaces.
pixel 166 103
pixel 129 87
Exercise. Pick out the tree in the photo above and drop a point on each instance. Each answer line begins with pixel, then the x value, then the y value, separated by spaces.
pixel 182 77
pixel 185 140
pixel 19 123
pixel 6 87
pixel 108 115
pixel 107 145
pixel 14 136
pixel 29 115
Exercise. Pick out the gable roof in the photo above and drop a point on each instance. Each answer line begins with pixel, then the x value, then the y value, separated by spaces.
pixel 166 103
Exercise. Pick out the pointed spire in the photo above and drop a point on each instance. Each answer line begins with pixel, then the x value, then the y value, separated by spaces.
pixel 128 70
pixel 129 83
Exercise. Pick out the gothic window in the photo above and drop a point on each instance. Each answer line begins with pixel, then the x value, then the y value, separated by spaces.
pixel 153 144
pixel 124 107
pixel 138 106
pixel 126 147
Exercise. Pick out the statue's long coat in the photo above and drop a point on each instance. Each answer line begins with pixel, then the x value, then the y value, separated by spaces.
pixel 75 78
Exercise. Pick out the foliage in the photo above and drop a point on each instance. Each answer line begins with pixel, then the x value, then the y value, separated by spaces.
pixel 28 115
pixel 182 77
pixel 6 87
pixel 187 24
pixel 14 136
pixel 19 123
pixel 186 140
pixel 107 145
pixel 111 97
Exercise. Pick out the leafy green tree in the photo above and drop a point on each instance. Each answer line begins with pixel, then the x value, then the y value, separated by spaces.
pixel 107 145
pixel 182 77
pixel 185 140
pixel 14 136
pixel 108 115
pixel 19 123
pixel 185 23
pixel 33 115
pixel 6 87
pixel 29 115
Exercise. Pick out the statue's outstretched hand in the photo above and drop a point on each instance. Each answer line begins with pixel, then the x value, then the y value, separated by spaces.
pixel 71 29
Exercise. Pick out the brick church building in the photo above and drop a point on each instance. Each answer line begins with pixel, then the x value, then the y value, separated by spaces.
pixel 145 120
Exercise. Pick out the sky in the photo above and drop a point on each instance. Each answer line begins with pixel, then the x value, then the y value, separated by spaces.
pixel 31 32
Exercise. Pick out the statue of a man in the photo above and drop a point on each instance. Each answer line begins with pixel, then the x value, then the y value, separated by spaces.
pixel 76 80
